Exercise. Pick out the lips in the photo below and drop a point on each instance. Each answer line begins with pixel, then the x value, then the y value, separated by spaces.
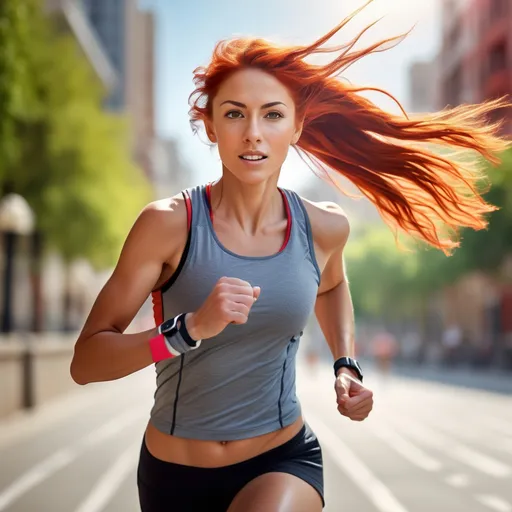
pixel 253 158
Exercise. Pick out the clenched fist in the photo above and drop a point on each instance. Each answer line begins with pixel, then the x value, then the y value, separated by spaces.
pixel 355 401
pixel 229 302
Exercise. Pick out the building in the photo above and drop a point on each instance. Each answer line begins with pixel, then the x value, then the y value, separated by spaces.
pixel 171 172
pixel 422 86
pixel 73 19
pixel 140 83
pixel 127 34
pixel 475 61
pixel 107 17
pixel 474 65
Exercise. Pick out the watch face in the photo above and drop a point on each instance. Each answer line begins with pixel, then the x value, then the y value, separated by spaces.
pixel 168 326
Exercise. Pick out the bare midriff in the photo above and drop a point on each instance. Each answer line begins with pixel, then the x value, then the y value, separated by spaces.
pixel 210 454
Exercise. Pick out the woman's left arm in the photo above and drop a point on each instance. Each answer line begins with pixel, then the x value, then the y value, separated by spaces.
pixel 334 309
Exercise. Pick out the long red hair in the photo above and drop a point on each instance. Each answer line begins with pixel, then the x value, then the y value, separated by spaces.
pixel 391 158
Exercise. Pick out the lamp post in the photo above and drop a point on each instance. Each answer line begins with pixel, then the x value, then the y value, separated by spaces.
pixel 16 218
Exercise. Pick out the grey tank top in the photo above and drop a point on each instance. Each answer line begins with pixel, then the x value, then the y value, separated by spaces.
pixel 240 383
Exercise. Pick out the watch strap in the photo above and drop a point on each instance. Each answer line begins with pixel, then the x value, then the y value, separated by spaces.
pixel 348 362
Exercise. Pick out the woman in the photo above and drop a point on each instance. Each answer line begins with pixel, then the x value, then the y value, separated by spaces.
pixel 236 267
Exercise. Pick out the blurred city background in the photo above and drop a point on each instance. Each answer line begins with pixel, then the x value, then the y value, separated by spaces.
pixel 94 125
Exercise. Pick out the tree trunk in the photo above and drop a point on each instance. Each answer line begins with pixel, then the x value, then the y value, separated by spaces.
pixel 67 304
pixel 36 280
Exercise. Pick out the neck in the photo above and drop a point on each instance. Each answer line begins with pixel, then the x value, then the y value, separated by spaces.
pixel 250 206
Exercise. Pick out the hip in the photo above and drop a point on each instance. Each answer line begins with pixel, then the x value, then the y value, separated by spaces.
pixel 162 484
pixel 211 454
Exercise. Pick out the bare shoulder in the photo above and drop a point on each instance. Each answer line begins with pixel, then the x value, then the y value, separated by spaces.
pixel 168 212
pixel 329 224
pixel 161 217
pixel 161 225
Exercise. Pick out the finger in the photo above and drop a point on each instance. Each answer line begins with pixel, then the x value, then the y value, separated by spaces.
pixel 354 401
pixel 236 289
pixel 234 281
pixel 237 317
pixel 239 307
pixel 240 299
pixel 256 293
pixel 358 418
pixel 363 407
pixel 342 396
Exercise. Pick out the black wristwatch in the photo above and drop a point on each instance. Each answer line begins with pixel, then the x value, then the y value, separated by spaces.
pixel 177 324
pixel 348 362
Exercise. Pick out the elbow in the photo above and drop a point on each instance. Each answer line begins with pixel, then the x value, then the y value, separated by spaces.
pixel 76 370
pixel 76 375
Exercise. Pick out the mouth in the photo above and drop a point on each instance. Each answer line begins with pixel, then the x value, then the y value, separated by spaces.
pixel 253 157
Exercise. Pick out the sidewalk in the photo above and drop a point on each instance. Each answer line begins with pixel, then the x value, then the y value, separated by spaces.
pixel 474 378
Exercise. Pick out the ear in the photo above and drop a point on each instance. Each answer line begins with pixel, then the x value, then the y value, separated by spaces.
pixel 298 132
pixel 210 131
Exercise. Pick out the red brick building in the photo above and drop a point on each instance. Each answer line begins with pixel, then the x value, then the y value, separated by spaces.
pixel 475 61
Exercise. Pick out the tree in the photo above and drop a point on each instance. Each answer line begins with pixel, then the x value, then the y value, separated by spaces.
pixel 69 158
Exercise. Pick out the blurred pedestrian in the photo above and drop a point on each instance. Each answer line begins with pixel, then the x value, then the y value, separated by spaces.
pixel 451 340
pixel 384 350
pixel 236 266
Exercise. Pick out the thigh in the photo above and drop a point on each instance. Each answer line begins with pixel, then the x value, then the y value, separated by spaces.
pixel 169 487
pixel 277 492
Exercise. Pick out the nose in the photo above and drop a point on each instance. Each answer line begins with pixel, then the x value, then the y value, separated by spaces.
pixel 252 132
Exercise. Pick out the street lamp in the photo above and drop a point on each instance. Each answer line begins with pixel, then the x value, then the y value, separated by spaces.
pixel 16 218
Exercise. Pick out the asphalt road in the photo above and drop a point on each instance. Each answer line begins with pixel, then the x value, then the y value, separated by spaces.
pixel 426 446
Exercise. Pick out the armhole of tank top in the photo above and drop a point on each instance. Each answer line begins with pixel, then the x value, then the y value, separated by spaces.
pixel 183 259
pixel 289 218
pixel 309 234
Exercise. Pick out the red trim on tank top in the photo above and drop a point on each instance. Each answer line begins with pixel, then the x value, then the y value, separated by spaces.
pixel 157 307
pixel 286 205
pixel 188 207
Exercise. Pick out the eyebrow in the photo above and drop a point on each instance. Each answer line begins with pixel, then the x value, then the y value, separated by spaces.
pixel 241 105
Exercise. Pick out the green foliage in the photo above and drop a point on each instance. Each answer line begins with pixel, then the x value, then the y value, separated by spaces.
pixel 17 94
pixel 390 282
pixel 71 160
pixel 380 274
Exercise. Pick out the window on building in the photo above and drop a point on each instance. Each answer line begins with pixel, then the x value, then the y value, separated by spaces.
pixel 498 9
pixel 498 57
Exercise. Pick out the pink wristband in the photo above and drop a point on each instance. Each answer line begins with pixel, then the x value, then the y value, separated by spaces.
pixel 159 350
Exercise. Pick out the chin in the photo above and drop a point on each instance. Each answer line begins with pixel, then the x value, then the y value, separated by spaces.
pixel 251 176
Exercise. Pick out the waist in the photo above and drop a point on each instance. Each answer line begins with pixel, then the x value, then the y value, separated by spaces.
pixel 210 454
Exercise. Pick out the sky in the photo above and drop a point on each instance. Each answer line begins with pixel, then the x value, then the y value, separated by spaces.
pixel 187 31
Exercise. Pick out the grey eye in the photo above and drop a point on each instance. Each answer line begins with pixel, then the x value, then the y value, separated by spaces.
pixel 229 115
pixel 275 115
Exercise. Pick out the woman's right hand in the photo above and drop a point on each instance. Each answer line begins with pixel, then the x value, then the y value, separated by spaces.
pixel 229 302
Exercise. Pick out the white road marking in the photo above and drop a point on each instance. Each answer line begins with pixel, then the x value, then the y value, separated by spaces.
pixel 494 502
pixel 36 475
pixel 24 424
pixel 49 466
pixel 458 480
pixel 110 481
pixel 458 451
pixel 499 425
pixel 404 447
pixel 481 462
pixel 380 495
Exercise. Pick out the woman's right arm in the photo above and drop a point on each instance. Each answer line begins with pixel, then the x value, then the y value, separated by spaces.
pixel 102 351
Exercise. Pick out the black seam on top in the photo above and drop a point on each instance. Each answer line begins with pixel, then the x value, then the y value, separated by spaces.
pixel 175 408
pixel 309 235
pixel 281 393
pixel 184 255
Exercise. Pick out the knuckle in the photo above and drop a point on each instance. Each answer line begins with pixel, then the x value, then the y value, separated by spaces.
pixel 222 288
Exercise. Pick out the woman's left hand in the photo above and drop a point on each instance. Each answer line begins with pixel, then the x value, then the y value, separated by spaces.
pixel 354 400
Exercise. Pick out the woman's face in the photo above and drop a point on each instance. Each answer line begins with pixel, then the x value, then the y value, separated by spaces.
pixel 253 123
